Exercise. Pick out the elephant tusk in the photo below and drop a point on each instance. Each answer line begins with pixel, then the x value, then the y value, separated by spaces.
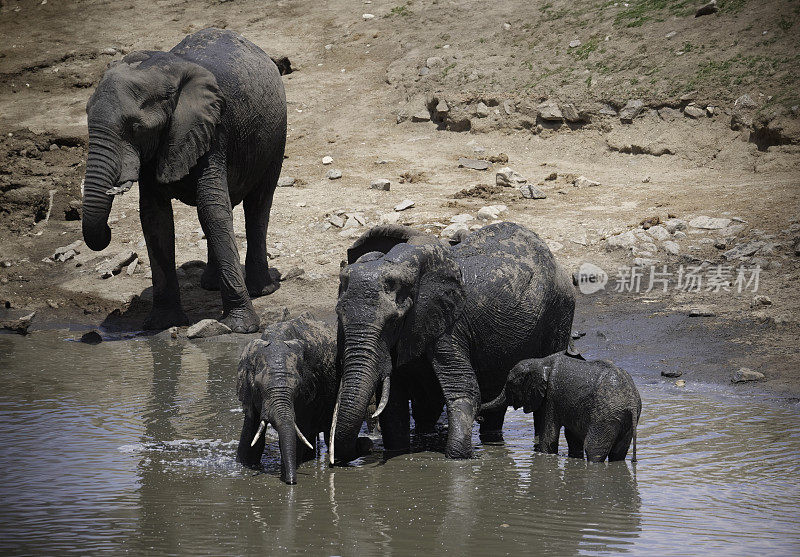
pixel 261 428
pixel 332 435
pixel 384 398
pixel 120 189
pixel 302 438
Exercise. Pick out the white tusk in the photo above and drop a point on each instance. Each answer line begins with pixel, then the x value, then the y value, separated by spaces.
pixel 261 428
pixel 302 438
pixel 120 189
pixel 332 435
pixel 384 398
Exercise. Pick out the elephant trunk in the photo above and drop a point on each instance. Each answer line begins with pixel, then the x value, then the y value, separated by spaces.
pixel 284 423
pixel 102 171
pixel 498 403
pixel 359 380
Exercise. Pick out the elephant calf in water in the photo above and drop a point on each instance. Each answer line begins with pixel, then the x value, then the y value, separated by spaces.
pixel 287 378
pixel 595 401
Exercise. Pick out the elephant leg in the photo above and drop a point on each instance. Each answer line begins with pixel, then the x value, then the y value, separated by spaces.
pixel 247 455
pixel 599 440
pixel 259 278
pixel 574 443
pixel 396 421
pixel 548 430
pixel 462 395
pixel 209 280
pixel 158 226
pixel 491 430
pixel 620 449
pixel 214 212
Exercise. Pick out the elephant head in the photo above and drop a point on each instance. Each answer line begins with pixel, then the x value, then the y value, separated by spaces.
pixel 526 386
pixel 152 107
pixel 400 292
pixel 268 385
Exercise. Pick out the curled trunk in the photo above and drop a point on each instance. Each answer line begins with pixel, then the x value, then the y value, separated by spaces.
pixel 102 172
pixel 498 403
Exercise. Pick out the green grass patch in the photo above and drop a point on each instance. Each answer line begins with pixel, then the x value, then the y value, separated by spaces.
pixel 638 13
pixel 582 52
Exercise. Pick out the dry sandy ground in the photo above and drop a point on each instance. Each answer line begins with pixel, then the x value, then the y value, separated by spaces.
pixel 345 101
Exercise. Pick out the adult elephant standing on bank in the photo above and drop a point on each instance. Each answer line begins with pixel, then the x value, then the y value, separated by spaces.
pixel 442 325
pixel 204 123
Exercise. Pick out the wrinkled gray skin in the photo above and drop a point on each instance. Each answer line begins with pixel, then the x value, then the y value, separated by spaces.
pixel 444 324
pixel 596 403
pixel 288 377
pixel 204 123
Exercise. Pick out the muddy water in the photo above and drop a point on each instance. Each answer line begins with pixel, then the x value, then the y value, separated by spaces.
pixel 129 446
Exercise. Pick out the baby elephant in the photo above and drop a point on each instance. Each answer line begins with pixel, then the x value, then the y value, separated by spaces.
pixel 595 401
pixel 287 378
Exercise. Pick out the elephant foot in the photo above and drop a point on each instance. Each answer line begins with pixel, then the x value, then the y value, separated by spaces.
pixel 263 284
pixel 164 318
pixel 242 320
pixel 209 280
pixel 363 446
pixel 492 437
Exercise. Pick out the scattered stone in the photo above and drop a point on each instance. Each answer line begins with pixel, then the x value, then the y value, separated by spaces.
pixel 482 111
pixel 607 110
pixel 368 16
pixel 584 182
pixel 669 114
pixel 132 267
pixel 720 244
pixel 421 116
pixel 671 373
pixel 744 250
pixel 673 225
pixel 207 328
pixel 92 337
pixel 658 232
pixel 570 113
pixel 745 102
pixel 327 160
pixel 380 184
pixel 646 180
pixel 630 111
pixel 507 26
pixel 441 110
pixel 761 300
pixel 701 312
pixel 292 273
pixel 114 266
pixel 509 108
pixel 500 158
pixel 286 182
pixel 554 246
pixel 670 34
pixel 336 221
pixel 745 374
pixel 19 325
pixel 529 191
pixel 403 205
pixel 552 176
pixel 671 247
pixel 491 212
pixel 708 9
pixel 474 164
pixel 648 222
pixel 462 217
pixel 110 51
pixel 509 178
pixel 574 43
pixel 680 383
pixel 65 253
pixel 452 230
pixel 709 223
pixel 550 112
pixel 434 62
pixel 424 70
pixel 694 111
pixel 334 174
pixel 623 240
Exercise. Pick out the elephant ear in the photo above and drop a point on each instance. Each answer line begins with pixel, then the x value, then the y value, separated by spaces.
pixel 437 299
pixel 536 387
pixel 383 238
pixel 198 106
pixel 251 361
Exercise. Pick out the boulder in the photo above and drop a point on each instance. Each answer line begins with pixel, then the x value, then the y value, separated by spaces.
pixel 453 229
pixel 570 113
pixel 509 178
pixel 658 232
pixel 19 325
pixel 623 240
pixel 482 111
pixel 694 111
pixel 380 184
pixel 114 266
pixel 671 247
pixel 631 110
pixel 745 374
pixel 403 205
pixel 491 212
pixel 584 182
pixel 707 9
pixel 744 250
pixel 462 217
pixel 286 182
pixel 207 328
pixel 550 112
pixel 673 225
pixel 529 191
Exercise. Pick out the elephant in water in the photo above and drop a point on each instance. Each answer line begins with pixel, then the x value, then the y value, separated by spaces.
pixel 204 123
pixel 596 403
pixel 439 325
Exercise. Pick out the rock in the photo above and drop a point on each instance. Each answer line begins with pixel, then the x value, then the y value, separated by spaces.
pixel 574 43
pixel 500 158
pixel 709 223
pixel 334 174
pixel 207 328
pixel 745 374
pixel 630 111
pixel 403 205
pixel 552 176
pixel 451 230
pixel 671 247
pixel 731 230
pixel 708 9
pixel 491 212
pixel 380 184
pixel 286 182
pixel 553 245
pixel 673 225
pixel 670 34
pixel 66 253
pixel 474 164
pixel 584 182
pixel 132 267
pixel 368 16
pixel 114 266
pixel 482 111
pixel 658 232
pixel 701 312
pixel 550 112
pixel 441 110
pixel 694 111
pixel 671 373
pixel 421 117
pixel 19 325
pixel 509 178
pixel 745 102
pixel 761 300
pixel 744 250
pixel 570 113
pixel 110 51
pixel 720 244
pixel 336 221
pixel 623 240
pixel 462 217
pixel 529 191
pixel 680 383
pixel 292 273
pixel 424 70
pixel 509 108
pixel 507 26
pixel 92 337
pixel 434 62
pixel 669 114
pixel 327 160
pixel 607 110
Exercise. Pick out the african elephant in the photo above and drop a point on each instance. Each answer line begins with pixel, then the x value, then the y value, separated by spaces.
pixel 442 325
pixel 204 123
pixel 287 378
pixel 596 402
